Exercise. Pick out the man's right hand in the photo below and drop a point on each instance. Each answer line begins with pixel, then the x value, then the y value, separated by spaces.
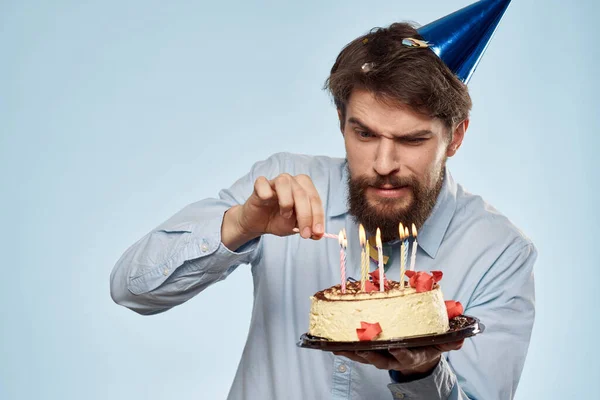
pixel 276 206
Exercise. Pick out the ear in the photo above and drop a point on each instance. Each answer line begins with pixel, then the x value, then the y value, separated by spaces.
pixel 457 138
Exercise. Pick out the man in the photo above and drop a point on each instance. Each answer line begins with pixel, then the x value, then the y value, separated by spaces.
pixel 402 113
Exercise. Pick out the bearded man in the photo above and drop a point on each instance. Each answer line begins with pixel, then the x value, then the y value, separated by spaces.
pixel 403 112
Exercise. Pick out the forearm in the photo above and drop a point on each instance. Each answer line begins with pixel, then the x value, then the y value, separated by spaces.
pixel 198 246
pixel 172 264
pixel 489 365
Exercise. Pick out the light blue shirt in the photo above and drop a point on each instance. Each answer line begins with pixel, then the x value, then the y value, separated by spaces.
pixel 487 264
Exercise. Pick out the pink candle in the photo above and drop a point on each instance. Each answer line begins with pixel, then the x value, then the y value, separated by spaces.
pixel 342 241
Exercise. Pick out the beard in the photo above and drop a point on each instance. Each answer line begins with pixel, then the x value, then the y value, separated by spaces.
pixel 388 213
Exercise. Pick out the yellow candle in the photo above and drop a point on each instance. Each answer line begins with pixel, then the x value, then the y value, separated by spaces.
pixel 368 260
pixel 402 255
pixel 363 257
pixel 380 258
pixel 414 249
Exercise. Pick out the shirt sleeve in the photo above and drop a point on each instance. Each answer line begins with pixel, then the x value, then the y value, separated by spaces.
pixel 489 365
pixel 437 385
pixel 184 255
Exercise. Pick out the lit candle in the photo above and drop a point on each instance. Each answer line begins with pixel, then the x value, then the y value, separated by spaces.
pixel 406 244
pixel 402 255
pixel 368 257
pixel 345 254
pixel 380 258
pixel 414 249
pixel 342 260
pixel 364 261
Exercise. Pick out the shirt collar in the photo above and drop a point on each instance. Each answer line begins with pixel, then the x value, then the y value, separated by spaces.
pixel 433 230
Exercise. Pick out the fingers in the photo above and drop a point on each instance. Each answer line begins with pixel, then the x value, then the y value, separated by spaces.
pixel 450 346
pixel 316 205
pixel 282 186
pixel 378 360
pixel 298 195
pixel 350 355
pixel 413 358
pixel 263 190
pixel 403 356
pixel 303 210
pixel 417 360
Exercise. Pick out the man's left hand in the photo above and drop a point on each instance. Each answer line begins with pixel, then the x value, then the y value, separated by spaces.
pixel 415 361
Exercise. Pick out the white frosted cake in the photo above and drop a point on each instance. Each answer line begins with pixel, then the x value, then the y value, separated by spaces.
pixel 391 314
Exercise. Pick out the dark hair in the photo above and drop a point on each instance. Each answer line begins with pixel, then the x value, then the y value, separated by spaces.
pixel 398 74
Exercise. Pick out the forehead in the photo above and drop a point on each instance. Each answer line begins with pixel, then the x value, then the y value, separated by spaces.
pixel 387 117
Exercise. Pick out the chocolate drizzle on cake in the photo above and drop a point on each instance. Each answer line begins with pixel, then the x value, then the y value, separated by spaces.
pixel 458 323
pixel 353 288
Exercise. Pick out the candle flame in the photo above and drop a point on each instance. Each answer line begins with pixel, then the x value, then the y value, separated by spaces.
pixel 406 234
pixel 378 238
pixel 341 237
pixel 362 235
pixel 401 231
pixel 345 238
pixel 414 230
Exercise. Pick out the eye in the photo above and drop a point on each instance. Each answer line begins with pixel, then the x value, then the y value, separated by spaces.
pixel 364 134
pixel 416 141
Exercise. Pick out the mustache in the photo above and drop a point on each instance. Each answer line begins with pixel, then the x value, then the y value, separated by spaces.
pixel 380 181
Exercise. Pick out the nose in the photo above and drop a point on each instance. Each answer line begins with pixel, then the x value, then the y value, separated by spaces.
pixel 386 159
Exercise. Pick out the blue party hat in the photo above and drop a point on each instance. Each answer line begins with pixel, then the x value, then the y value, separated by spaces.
pixel 461 38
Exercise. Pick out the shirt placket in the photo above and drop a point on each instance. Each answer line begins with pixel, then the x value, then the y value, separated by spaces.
pixel 342 377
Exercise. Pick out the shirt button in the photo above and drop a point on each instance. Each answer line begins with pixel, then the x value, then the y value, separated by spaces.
pixel 398 396
pixel 166 272
pixel 204 247
pixel 342 368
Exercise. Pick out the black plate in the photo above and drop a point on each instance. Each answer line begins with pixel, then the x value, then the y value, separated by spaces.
pixel 461 327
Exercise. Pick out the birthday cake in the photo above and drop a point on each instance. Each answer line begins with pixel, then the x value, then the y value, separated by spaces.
pixel 368 313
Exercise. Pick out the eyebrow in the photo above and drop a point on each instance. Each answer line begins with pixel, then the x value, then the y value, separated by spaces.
pixel 408 135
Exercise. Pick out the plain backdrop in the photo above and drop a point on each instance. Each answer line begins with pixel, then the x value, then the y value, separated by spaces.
pixel 116 114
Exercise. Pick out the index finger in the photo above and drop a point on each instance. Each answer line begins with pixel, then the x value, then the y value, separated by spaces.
pixel 318 213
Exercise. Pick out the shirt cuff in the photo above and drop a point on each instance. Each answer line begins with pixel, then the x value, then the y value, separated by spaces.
pixel 438 385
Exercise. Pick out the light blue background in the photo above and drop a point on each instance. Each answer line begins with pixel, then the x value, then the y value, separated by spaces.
pixel 116 114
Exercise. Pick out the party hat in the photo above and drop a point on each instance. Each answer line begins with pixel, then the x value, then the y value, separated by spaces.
pixel 461 38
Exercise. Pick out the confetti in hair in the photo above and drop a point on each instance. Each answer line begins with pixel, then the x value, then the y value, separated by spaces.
pixel 367 67
pixel 410 42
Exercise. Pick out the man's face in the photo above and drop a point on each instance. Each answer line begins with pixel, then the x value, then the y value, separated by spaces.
pixel 396 160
